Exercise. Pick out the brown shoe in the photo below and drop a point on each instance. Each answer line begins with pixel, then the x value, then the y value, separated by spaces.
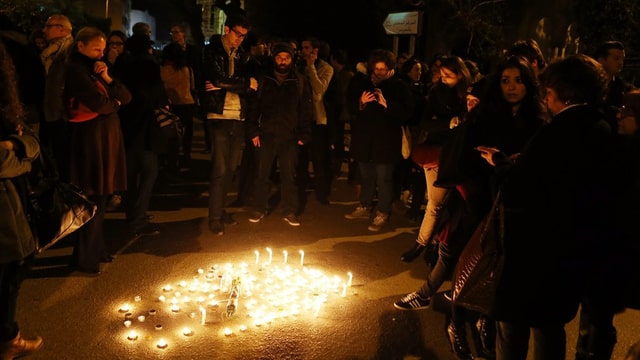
pixel 19 347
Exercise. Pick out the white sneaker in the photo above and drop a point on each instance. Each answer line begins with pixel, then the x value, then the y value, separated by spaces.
pixel 378 221
pixel 361 212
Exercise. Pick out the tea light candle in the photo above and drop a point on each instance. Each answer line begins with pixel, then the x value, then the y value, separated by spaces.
pixel 132 336
pixel 159 327
pixel 203 315
pixel 127 323
pixel 152 312
pixel 285 253
pixel 141 318
pixel 162 344
pixel 125 308
pixel 243 327
pixel 227 332
pixel 167 288
pixel 301 257
pixel 175 308
pixel 200 271
pixel 128 316
pixel 162 298
pixel 137 298
pixel 187 332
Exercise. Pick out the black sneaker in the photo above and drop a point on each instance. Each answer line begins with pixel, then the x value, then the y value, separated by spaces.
pixel 216 227
pixel 147 230
pixel 256 216
pixel 412 301
pixel 292 219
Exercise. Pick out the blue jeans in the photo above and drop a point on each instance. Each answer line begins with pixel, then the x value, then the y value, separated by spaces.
pixel 228 141
pixel 378 175
pixel 142 171
pixel 287 154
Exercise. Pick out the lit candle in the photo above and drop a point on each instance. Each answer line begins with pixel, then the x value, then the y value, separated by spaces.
pixel 125 308
pixel 175 308
pixel 227 332
pixel 183 283
pixel 132 336
pixel 137 298
pixel 285 253
pixel 162 298
pixel 187 332
pixel 162 344
pixel 344 290
pixel 243 327
pixel 203 313
pixel 167 287
pixel 200 271
pixel 257 256
pixel 127 323
pixel 270 255
pixel 141 318
pixel 301 257
pixel 350 279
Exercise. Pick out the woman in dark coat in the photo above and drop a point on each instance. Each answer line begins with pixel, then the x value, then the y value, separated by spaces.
pixel 97 163
pixel 557 212
pixel 18 148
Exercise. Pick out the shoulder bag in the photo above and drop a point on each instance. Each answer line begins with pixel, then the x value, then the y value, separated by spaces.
pixel 481 262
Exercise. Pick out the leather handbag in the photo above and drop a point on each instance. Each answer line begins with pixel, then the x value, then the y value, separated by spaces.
pixel 55 208
pixel 481 262
pixel 169 123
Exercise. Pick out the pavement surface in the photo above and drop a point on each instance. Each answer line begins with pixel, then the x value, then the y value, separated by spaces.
pixel 337 304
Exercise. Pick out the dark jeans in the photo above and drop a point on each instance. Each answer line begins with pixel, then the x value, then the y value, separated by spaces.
pixel 142 172
pixel 246 173
pixel 319 152
pixel 186 113
pixel 287 154
pixel 228 140
pixel 377 176
pixel 512 342
pixel 55 140
pixel 11 276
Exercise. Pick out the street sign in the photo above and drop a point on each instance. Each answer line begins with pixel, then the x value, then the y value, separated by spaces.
pixel 402 23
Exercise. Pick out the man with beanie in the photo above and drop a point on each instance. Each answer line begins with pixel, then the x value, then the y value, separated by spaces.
pixel 278 121
pixel 228 82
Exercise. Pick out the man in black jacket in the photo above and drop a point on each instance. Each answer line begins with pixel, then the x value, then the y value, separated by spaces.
pixel 227 82
pixel 278 121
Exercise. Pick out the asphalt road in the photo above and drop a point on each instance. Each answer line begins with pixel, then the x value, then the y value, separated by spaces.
pixel 333 301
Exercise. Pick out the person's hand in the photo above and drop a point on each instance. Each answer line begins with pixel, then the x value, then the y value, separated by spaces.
pixel 256 141
pixel 253 84
pixel 487 153
pixel 101 69
pixel 208 86
pixel 367 96
pixel 380 98
pixel 455 121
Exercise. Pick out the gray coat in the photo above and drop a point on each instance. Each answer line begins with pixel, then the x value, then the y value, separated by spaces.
pixel 16 238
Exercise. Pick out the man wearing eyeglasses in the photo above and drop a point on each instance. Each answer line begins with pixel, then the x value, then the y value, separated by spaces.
pixel 227 82
pixel 53 130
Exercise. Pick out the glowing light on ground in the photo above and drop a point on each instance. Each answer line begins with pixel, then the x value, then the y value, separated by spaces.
pixel 230 299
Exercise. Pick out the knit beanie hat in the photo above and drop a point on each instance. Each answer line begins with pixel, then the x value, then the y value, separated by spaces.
pixel 282 47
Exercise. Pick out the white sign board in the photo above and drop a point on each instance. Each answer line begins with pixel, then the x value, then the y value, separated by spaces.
pixel 403 23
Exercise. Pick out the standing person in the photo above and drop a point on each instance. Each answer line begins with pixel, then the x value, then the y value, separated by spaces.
pixel 278 121
pixel 338 115
pixel 551 192
pixel 115 47
pixel 54 131
pixel 319 74
pixel 611 55
pixel 18 148
pixel 142 136
pixel 193 59
pixel 446 105
pixel 227 84
pixel 97 163
pixel 383 103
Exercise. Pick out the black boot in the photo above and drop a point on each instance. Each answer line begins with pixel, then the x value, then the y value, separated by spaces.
pixel 412 253
pixel 458 341
pixel 487 334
